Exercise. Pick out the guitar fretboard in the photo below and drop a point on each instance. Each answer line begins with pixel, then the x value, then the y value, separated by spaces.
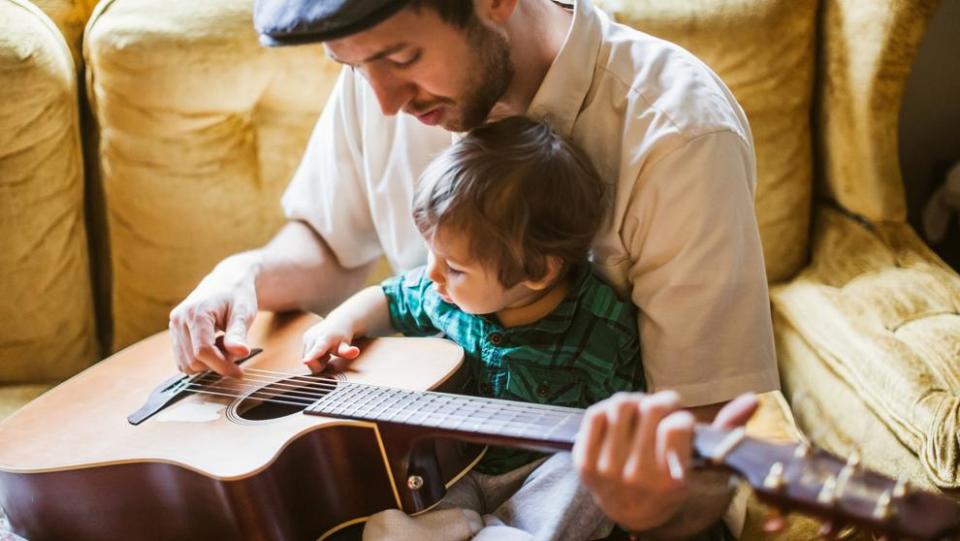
pixel 544 426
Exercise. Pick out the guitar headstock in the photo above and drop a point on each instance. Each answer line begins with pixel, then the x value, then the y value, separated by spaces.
pixel 815 482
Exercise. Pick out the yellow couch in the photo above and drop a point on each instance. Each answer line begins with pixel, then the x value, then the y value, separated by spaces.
pixel 198 130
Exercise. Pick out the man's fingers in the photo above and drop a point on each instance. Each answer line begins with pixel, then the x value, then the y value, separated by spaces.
pixel 622 415
pixel 737 412
pixel 234 339
pixel 653 409
pixel 204 348
pixel 589 443
pixel 674 444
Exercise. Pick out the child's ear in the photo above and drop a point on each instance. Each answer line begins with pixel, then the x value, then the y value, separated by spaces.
pixel 554 268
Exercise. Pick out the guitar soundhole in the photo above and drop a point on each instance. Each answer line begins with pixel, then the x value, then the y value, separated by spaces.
pixel 281 399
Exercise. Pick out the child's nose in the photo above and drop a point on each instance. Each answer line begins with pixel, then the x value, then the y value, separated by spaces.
pixel 433 271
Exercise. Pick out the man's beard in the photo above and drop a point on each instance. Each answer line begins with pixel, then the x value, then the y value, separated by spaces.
pixel 491 75
pixel 489 82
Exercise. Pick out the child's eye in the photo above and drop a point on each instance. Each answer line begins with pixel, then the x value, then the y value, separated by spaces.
pixel 453 272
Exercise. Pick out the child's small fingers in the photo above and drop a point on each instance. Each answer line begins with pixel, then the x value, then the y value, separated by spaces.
pixel 318 348
pixel 316 366
pixel 348 351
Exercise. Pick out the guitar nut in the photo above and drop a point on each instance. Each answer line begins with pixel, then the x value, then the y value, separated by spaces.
pixel 414 482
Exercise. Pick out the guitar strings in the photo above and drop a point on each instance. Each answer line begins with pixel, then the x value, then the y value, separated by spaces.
pixel 329 384
pixel 236 391
pixel 461 419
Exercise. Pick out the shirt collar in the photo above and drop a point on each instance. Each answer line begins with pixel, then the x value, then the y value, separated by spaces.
pixel 561 94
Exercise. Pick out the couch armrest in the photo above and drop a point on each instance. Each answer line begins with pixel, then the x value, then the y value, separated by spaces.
pixel 881 311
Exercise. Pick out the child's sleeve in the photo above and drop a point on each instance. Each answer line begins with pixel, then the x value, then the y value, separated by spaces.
pixel 410 297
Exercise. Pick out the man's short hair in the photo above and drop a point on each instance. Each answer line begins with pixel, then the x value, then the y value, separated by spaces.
pixel 520 192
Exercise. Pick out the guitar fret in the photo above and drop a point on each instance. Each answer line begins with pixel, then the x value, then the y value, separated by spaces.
pixel 402 403
pixel 391 398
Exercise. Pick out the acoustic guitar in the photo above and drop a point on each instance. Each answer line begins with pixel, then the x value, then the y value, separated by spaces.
pixel 120 452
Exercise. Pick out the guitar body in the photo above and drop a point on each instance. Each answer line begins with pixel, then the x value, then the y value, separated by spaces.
pixel 221 467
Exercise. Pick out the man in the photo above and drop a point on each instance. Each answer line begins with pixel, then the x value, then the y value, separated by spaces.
pixel 680 237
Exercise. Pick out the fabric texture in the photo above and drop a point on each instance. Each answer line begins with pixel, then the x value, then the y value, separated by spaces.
pixel 48 332
pixel 881 311
pixel 652 118
pixel 764 51
pixel 200 130
pixel 295 22
pixel 70 16
pixel 868 49
pixel 583 351
pixel 542 501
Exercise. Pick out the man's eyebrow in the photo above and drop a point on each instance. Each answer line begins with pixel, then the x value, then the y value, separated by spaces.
pixel 376 56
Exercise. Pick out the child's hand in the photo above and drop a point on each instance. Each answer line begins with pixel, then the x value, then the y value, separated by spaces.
pixel 325 339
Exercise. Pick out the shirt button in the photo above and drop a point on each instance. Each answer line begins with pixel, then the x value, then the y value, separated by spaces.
pixel 543 389
pixel 496 339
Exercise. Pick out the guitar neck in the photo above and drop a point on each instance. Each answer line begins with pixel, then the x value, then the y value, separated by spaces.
pixel 469 418
pixel 789 476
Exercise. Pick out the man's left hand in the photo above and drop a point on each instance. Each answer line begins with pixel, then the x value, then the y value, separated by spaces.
pixel 634 451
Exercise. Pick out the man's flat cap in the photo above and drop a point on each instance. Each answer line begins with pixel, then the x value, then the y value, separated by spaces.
pixel 293 22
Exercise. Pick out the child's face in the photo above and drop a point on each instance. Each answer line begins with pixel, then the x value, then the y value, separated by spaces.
pixel 469 285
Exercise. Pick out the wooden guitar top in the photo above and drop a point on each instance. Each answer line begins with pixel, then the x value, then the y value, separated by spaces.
pixel 83 422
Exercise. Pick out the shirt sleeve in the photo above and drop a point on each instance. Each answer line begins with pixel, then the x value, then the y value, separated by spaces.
pixel 327 190
pixel 697 273
pixel 409 297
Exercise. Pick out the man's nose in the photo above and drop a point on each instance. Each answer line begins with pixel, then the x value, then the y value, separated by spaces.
pixel 392 92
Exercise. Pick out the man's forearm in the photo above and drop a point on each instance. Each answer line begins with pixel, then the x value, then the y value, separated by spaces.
pixel 710 495
pixel 296 270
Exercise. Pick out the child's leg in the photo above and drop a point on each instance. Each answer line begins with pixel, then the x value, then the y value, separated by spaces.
pixel 457 516
pixel 444 525
pixel 551 504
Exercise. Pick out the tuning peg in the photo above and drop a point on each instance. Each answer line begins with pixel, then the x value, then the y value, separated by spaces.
pixel 803 450
pixel 775 521
pixel 902 488
pixel 774 479
pixel 882 510
pixel 828 492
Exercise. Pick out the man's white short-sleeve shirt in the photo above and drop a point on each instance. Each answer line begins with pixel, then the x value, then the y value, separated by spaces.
pixel 680 236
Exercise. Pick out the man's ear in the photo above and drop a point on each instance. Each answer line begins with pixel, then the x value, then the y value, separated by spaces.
pixel 495 11
pixel 554 267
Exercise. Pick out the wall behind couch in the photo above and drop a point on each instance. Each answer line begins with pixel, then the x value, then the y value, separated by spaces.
pixel 930 121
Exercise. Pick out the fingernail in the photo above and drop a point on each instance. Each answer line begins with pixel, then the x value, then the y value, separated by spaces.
pixel 673 462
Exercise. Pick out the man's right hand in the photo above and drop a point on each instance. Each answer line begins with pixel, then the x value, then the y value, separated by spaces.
pixel 225 300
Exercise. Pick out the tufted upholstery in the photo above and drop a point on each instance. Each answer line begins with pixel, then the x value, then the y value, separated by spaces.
pixel 881 311
pixel 201 129
pixel 47 310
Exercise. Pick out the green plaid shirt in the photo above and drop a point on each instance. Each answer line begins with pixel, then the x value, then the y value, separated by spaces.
pixel 583 351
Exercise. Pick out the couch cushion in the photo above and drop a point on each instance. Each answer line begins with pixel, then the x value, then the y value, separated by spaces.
pixel 867 52
pixel 70 17
pixel 201 129
pixel 881 311
pixel 13 397
pixel 763 50
pixel 47 308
